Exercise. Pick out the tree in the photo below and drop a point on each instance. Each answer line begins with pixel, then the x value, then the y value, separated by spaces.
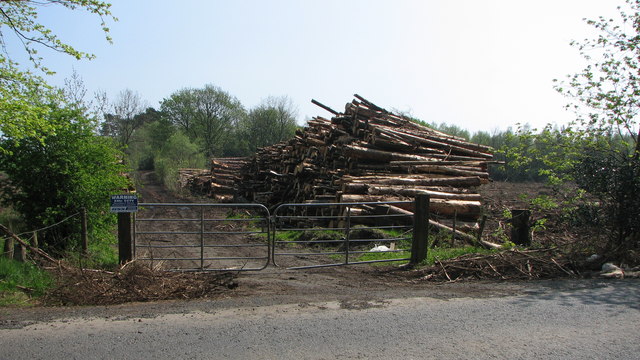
pixel 148 141
pixel 20 18
pixel 206 115
pixel 178 152
pixel 125 117
pixel 604 144
pixel 272 121
pixel 179 109
pixel 23 107
pixel 51 178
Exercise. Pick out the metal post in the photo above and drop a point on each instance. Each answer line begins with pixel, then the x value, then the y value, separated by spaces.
pixel 346 236
pixel 420 229
pixel 124 237
pixel 202 238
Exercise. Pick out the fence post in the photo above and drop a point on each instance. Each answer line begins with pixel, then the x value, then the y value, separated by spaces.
pixel 8 248
pixel 420 241
pixel 84 237
pixel 19 253
pixel 520 234
pixel 124 237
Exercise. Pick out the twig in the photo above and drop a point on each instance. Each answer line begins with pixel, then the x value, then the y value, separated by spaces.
pixel 495 270
pixel 568 272
pixel 443 269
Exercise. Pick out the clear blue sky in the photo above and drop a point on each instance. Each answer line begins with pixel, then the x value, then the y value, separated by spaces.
pixel 481 65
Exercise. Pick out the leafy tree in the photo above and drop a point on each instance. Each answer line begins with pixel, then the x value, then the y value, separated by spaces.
pixel 23 98
pixel 599 151
pixel 51 178
pixel 206 115
pixel 178 152
pixel 179 109
pixel 148 141
pixel 23 109
pixel 270 122
pixel 606 134
pixel 20 18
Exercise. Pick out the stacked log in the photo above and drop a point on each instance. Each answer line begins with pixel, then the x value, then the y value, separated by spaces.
pixel 220 182
pixel 368 154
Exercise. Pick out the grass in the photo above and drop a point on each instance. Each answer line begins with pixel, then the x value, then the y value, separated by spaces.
pixel 439 253
pixel 384 255
pixel 101 255
pixel 21 282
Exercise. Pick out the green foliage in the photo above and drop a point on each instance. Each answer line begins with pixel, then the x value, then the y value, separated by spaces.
pixel 24 97
pixel 51 177
pixel 17 277
pixel 605 136
pixel 207 116
pixel 100 255
pixel 177 153
pixel 269 123
pixel 148 141
pixel 451 129
pixel 23 103
pixel 20 17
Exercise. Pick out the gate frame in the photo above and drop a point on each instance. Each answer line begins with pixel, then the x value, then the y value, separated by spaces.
pixel 202 233
pixel 419 243
pixel 347 229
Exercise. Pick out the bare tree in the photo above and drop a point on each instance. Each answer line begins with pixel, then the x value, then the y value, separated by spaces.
pixel 121 121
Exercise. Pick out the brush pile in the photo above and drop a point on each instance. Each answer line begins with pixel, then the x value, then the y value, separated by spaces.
pixel 506 265
pixel 134 282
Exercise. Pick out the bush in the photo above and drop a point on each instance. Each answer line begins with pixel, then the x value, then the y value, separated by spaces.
pixel 178 153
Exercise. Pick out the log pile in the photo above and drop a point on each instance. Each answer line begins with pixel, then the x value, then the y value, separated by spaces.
pixel 367 154
pixel 219 182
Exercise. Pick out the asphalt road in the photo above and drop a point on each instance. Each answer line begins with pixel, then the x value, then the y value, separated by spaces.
pixel 573 320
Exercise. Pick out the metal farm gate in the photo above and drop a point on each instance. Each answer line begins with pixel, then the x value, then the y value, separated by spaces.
pixel 332 234
pixel 202 237
pixel 246 237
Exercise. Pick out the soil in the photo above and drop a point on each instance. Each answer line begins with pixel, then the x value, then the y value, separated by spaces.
pixel 154 290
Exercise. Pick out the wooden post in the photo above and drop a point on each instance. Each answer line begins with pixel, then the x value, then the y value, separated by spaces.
pixel 8 248
pixel 481 229
pixel 19 253
pixel 520 232
pixel 453 227
pixel 420 229
pixel 34 240
pixel 124 238
pixel 84 242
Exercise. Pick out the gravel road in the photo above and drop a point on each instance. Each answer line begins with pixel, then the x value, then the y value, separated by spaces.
pixel 568 319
